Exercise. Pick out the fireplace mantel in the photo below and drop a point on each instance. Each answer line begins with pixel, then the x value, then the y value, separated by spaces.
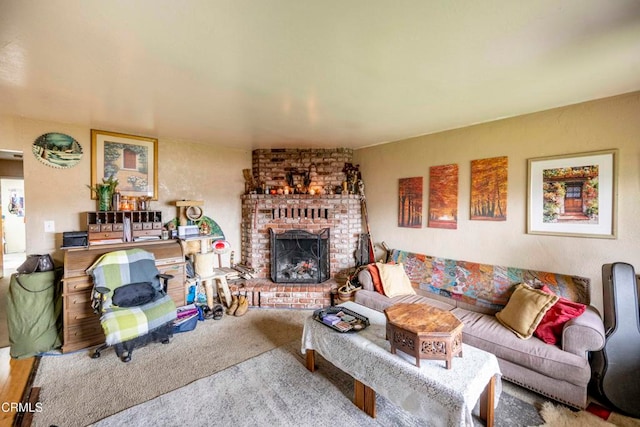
pixel 340 213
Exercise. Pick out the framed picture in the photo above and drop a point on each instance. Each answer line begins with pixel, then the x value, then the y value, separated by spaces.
pixel 133 160
pixel 410 202
pixel 443 197
pixel 489 189
pixel 573 195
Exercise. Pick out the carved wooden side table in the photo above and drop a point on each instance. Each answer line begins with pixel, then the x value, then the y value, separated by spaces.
pixel 424 332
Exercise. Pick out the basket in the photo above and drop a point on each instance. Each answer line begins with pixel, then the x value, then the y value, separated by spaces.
pixel 347 293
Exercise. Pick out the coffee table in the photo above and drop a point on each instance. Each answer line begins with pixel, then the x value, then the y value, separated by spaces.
pixel 425 332
pixel 444 397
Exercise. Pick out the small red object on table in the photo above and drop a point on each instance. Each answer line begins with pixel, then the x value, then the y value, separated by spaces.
pixel 424 332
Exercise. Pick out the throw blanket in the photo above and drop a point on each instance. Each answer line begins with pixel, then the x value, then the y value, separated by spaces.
pixel 119 268
pixel 483 285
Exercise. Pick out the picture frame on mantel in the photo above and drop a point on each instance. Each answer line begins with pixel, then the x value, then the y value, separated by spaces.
pixel 573 195
pixel 133 160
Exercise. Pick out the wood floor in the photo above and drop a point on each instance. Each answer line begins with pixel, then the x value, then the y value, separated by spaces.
pixel 14 377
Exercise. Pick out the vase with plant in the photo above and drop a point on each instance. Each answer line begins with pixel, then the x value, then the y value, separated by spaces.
pixel 104 192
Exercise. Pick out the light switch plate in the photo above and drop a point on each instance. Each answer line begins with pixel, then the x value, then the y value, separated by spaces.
pixel 49 227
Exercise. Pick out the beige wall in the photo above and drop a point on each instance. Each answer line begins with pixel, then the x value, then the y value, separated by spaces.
pixel 186 171
pixel 194 171
pixel 604 124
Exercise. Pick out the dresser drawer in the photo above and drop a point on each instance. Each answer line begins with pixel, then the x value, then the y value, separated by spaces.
pixel 76 284
pixel 77 308
pixel 148 232
pixel 83 335
pixel 105 235
pixel 172 269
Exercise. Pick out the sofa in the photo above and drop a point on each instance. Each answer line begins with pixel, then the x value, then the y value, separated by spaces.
pixel 475 293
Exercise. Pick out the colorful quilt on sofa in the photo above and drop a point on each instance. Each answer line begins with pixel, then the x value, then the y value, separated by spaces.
pixel 483 285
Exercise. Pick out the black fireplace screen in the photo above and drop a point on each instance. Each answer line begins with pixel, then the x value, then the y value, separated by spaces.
pixel 298 256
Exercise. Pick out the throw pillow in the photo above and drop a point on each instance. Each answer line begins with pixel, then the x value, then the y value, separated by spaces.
pixel 394 280
pixel 550 328
pixel 525 309
pixel 134 294
pixel 375 277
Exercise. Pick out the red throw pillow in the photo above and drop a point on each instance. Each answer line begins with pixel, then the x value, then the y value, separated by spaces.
pixel 375 276
pixel 550 328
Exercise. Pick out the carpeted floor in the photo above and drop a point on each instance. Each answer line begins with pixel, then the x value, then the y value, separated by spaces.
pixel 248 370
pixel 275 388
pixel 77 390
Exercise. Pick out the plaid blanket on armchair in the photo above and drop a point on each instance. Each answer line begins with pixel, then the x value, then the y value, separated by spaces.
pixel 119 268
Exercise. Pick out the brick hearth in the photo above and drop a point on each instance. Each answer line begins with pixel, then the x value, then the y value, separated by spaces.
pixel 264 293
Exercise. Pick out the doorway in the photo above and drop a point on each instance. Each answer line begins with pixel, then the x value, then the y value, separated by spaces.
pixel 12 219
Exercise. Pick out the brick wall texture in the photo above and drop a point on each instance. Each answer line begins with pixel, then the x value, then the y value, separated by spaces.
pixel 323 165
pixel 341 213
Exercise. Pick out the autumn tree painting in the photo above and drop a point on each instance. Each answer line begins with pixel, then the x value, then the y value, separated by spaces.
pixel 410 202
pixel 443 197
pixel 489 189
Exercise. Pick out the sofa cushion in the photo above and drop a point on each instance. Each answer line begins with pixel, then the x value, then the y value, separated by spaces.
pixel 394 280
pixel 379 302
pixel 550 328
pixel 485 332
pixel 365 280
pixel 525 309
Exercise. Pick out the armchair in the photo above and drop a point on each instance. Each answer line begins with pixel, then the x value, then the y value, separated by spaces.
pixel 132 302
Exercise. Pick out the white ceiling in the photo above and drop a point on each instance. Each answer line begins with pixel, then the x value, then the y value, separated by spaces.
pixel 300 73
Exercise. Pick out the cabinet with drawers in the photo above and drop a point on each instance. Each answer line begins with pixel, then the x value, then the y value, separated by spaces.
pixel 81 326
pixel 123 225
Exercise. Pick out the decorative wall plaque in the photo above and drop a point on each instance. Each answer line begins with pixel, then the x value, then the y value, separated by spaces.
pixel 57 150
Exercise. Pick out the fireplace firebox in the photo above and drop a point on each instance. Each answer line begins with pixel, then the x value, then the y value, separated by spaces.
pixel 298 256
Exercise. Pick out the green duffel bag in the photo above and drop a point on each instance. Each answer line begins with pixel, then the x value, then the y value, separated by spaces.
pixel 34 307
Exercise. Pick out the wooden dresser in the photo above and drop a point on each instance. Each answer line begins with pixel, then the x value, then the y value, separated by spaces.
pixel 81 326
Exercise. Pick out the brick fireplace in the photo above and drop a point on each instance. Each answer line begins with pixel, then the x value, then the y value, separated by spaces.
pixel 263 214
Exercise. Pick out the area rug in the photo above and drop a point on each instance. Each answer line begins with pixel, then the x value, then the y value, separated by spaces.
pixel 276 389
pixel 77 390
pixel 561 416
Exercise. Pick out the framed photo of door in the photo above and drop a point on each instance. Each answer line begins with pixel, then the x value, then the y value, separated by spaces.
pixel 573 195
pixel 133 160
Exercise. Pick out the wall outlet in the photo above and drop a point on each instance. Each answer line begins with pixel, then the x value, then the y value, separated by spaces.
pixel 49 227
